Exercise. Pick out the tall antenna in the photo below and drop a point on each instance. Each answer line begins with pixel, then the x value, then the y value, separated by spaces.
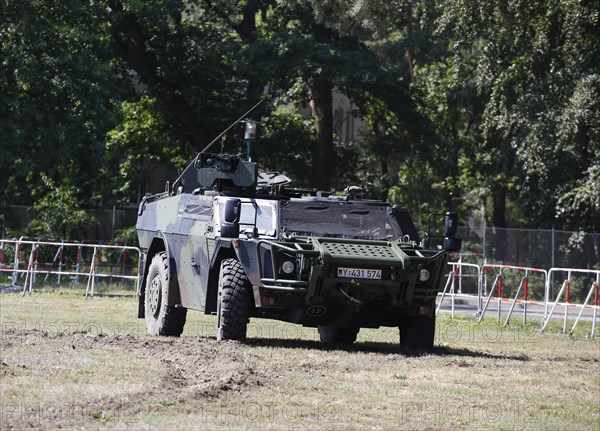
pixel 193 162
pixel 227 129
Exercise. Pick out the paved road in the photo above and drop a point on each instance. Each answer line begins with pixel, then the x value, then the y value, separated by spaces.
pixel 469 305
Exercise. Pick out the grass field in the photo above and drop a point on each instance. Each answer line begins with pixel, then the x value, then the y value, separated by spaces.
pixel 71 363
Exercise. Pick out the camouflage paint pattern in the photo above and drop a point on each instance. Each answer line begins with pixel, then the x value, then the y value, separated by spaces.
pixel 341 281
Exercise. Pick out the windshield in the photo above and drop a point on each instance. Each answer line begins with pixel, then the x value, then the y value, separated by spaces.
pixel 339 219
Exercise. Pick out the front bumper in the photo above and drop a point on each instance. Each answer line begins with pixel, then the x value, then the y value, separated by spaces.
pixel 316 294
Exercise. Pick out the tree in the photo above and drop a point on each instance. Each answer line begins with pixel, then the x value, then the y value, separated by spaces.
pixel 536 63
pixel 58 212
pixel 293 48
pixel 467 104
pixel 142 142
pixel 181 53
pixel 56 87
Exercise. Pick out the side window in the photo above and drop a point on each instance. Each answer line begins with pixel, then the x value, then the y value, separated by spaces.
pixel 248 215
pixel 197 209
pixel 259 215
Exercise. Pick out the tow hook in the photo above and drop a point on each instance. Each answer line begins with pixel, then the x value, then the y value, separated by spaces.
pixel 350 298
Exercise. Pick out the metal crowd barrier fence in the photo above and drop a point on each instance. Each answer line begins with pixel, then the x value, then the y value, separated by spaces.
pixel 566 289
pixel 93 268
pixel 87 261
pixel 454 279
pixel 498 286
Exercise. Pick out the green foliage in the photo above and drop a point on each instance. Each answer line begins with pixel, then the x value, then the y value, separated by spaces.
pixel 127 236
pixel 58 212
pixel 181 53
pixel 415 191
pixel 285 143
pixel 56 81
pixel 484 106
pixel 140 143
pixel 536 66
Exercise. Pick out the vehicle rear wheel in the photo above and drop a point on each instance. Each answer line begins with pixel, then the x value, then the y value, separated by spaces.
pixel 162 318
pixel 233 301
pixel 417 332
pixel 338 334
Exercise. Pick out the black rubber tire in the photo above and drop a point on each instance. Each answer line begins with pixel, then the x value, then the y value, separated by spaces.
pixel 233 301
pixel 161 318
pixel 336 334
pixel 417 333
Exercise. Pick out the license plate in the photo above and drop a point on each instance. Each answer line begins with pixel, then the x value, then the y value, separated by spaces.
pixel 373 274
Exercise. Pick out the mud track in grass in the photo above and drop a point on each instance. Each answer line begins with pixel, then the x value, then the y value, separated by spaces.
pixel 188 369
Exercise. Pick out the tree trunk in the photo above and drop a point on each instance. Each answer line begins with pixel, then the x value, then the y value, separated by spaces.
pixel 499 200
pixel 498 189
pixel 408 15
pixel 247 26
pixel 322 112
pixel 247 31
pixel 130 41
pixel 385 180
pixel 323 154
pixel 503 251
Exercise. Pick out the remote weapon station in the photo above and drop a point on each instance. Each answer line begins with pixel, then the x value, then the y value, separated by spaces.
pixel 228 240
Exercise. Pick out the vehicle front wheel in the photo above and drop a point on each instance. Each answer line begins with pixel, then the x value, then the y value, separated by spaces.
pixel 161 318
pixel 233 301
pixel 417 332
pixel 338 334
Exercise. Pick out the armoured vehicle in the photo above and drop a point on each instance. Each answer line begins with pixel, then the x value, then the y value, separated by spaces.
pixel 241 245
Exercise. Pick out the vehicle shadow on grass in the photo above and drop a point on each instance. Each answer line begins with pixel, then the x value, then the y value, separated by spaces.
pixel 377 347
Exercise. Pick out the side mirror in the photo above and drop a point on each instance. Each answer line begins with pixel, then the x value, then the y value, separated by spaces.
pixel 231 212
pixel 451 224
pixel 451 243
pixel 230 227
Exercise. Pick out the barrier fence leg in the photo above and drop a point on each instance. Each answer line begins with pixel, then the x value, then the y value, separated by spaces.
pixel 594 317
pixel 479 294
pixel 500 296
pixel 31 279
pixel 485 273
pixel 60 263
pixel 453 288
pixel 487 302
pixel 547 319
pixel 436 311
pixel 35 263
pixel 89 290
pixel 567 298
pixel 460 274
pixel 28 274
pixel 547 297
pixel 78 264
pixel 16 265
pixel 525 296
pixel 512 306
pixel 589 295
pixel 138 281
pixel 595 307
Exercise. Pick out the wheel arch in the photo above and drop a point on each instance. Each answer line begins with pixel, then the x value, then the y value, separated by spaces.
pixel 158 244
pixel 224 250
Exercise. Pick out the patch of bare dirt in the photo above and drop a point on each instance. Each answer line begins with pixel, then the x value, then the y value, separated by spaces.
pixel 197 369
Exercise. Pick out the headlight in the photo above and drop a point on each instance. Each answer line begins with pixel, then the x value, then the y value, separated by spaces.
pixel 424 275
pixel 287 266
